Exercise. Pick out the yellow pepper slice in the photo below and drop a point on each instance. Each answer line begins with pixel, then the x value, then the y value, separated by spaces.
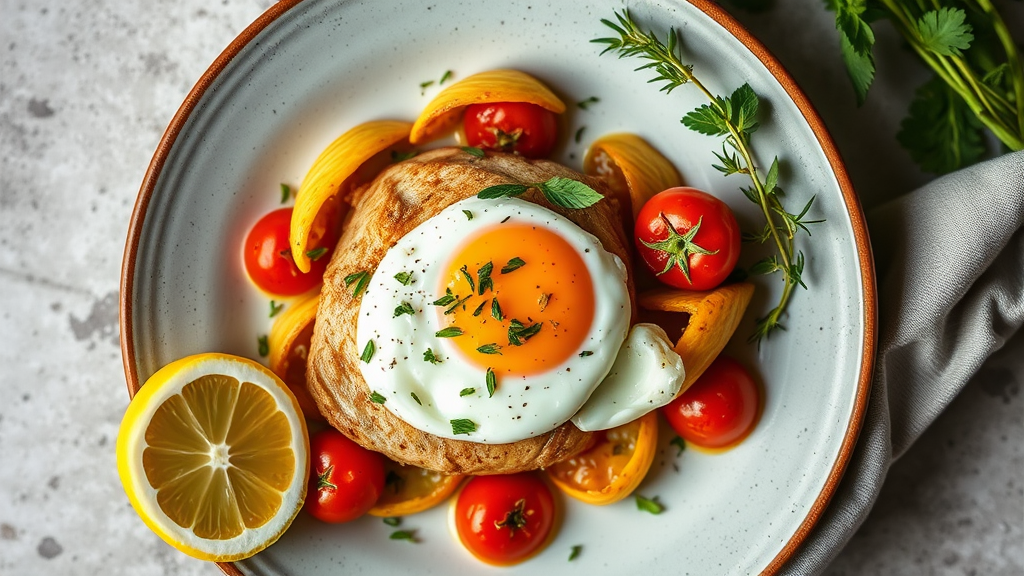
pixel 289 345
pixel 444 112
pixel 329 172
pixel 634 169
pixel 410 489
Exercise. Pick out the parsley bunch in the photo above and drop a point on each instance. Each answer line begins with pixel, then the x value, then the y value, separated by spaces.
pixel 978 82
pixel 734 118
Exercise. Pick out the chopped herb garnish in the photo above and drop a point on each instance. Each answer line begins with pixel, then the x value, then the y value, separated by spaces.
pixel 404 278
pixel 316 253
pixel 479 308
pixel 560 191
pixel 586 353
pixel 505 219
pixel 465 273
pixel 543 301
pixel 424 86
pixel 585 104
pixel 368 351
pixel 360 279
pixel 286 193
pixel 416 398
pixel 409 535
pixel 496 310
pixel 649 504
pixel 484 277
pixel 575 552
pixel 467 392
pixel 463 426
pixel 429 356
pixel 449 332
pixel 275 308
pixel 445 300
pixel 489 349
pixel 513 265
pixel 405 308
pixel 445 77
pixel 492 382
pixel 678 442
pixel 579 134
pixel 397 156
pixel 264 345
pixel 377 398
pixel 392 521
pixel 451 309
pixel 518 333
pixel 469 215
pixel 473 151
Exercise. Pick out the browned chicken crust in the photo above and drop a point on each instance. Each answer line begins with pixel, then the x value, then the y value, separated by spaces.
pixel 401 198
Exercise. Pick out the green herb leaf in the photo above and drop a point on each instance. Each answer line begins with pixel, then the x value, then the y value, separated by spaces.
pixel 424 86
pixel 429 356
pixel 449 332
pixel 392 521
pixel 772 179
pixel 479 308
pixel 585 104
pixel 368 351
pixel 446 299
pixel 501 191
pixel 849 21
pixel 945 31
pixel 489 349
pixel 416 398
pixel 569 193
pixel 467 392
pixel 377 398
pixel 859 66
pixel 445 77
pixel 404 278
pixel 397 156
pixel 574 552
pixel 707 120
pixel 679 443
pixel 361 279
pixel 513 265
pixel 264 345
pixel 473 151
pixel 469 215
pixel 408 535
pixel 579 134
pixel 496 310
pixel 518 333
pixel 492 382
pixel 649 504
pixel 404 308
pixel 463 426
pixel 484 277
pixel 451 309
pixel 275 308
pixel 286 193
pixel 316 253
pixel 465 274
pixel 941 133
pixel 744 104
pixel 586 353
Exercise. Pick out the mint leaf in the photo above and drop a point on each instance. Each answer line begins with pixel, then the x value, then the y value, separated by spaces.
pixel 706 120
pixel 501 191
pixel 462 426
pixel 860 67
pixel 945 31
pixel 856 29
pixel 360 279
pixel 368 351
pixel 569 193
pixel 744 109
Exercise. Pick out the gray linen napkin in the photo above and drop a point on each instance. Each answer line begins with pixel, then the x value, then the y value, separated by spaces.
pixel 950 265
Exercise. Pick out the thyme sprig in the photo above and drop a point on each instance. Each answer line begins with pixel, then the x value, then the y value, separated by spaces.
pixel 733 117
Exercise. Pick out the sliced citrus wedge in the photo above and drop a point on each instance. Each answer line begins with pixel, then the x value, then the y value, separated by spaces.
pixel 634 170
pixel 444 112
pixel 335 165
pixel 613 467
pixel 410 489
pixel 213 455
pixel 289 348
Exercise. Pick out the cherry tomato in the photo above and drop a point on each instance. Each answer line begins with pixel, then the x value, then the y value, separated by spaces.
pixel 345 479
pixel 719 409
pixel 505 519
pixel 689 238
pixel 268 257
pixel 520 127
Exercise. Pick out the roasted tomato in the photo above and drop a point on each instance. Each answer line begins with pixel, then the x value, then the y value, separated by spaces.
pixel 688 238
pixel 520 127
pixel 345 480
pixel 505 519
pixel 268 258
pixel 720 409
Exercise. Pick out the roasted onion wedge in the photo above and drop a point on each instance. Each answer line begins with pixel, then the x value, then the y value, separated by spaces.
pixel 289 345
pixel 613 467
pixel 444 112
pixel 713 317
pixel 634 169
pixel 329 173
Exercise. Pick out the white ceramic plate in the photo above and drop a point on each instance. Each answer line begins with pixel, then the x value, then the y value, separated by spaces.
pixel 307 71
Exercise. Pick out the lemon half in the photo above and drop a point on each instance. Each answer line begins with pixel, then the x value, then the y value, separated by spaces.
pixel 213 454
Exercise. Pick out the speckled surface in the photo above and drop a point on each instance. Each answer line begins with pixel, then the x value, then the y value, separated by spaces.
pixel 86 90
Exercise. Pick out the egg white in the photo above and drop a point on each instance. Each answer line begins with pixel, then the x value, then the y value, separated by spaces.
pixel 522 406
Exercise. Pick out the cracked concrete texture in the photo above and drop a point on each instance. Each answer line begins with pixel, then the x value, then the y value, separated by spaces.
pixel 86 90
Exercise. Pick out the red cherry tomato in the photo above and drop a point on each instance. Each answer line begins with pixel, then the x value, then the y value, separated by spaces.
pixel 520 127
pixel 505 519
pixel 345 479
pixel 268 257
pixel 689 238
pixel 719 409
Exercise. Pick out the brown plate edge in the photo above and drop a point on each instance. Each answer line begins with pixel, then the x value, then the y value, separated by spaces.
pixel 867 270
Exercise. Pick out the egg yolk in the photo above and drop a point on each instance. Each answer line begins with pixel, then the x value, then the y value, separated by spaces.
pixel 521 296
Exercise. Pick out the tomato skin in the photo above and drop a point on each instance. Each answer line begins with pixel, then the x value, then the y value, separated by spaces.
pixel 357 476
pixel 487 500
pixel 684 208
pixel 268 260
pixel 719 409
pixel 492 126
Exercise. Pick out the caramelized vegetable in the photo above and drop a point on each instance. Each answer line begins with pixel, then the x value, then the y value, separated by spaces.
pixel 410 489
pixel 328 175
pixel 289 344
pixel 613 467
pixel 713 317
pixel 444 112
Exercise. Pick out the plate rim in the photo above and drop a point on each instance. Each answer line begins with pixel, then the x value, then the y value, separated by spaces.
pixel 732 26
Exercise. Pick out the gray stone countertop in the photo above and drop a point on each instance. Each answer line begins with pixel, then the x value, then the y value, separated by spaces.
pixel 86 90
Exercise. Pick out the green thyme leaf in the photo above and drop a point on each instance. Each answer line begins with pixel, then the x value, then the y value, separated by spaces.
pixel 679 443
pixel 392 521
pixel 361 279
pixel 463 426
pixel 473 151
pixel 264 345
pixel 513 265
pixel 316 253
pixel 377 398
pixel 489 349
pixel 519 333
pixel 585 104
pixel 467 392
pixel 575 552
pixel 945 31
pixel 479 308
pixel 368 351
pixel 408 535
pixel 405 308
pixel 275 308
pixel 465 274
pixel 449 332
pixel 429 356
pixel 484 277
pixel 404 278
pixel 445 77
pixel 286 193
pixel 492 382
pixel 569 193
pixel 451 309
pixel 649 504
pixel 469 215
pixel 416 398
pixel 501 191
pixel 496 310
pixel 445 300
